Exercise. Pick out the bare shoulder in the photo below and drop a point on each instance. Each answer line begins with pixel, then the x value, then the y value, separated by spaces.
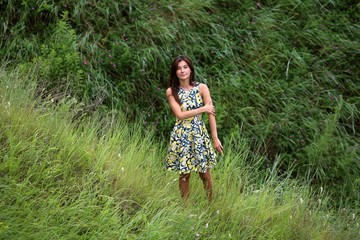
pixel 168 92
pixel 203 87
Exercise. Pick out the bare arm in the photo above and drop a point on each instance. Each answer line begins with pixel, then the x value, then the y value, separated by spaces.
pixel 175 107
pixel 205 93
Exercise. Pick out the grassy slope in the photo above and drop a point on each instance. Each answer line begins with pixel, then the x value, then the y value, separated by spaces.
pixel 283 74
pixel 63 178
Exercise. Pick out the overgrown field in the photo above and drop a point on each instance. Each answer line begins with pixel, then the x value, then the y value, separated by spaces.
pixel 102 178
pixel 84 119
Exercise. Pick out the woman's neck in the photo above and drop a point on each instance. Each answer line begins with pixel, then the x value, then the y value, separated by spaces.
pixel 185 84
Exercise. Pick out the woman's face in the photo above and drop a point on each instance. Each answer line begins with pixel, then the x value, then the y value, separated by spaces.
pixel 183 71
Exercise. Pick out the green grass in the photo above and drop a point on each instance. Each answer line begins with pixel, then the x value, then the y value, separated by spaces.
pixel 71 176
pixel 92 128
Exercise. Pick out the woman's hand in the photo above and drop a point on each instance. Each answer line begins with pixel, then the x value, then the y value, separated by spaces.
pixel 218 146
pixel 209 108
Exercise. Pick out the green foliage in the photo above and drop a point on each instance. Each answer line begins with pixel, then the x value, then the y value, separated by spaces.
pixel 99 176
pixel 283 74
pixel 59 62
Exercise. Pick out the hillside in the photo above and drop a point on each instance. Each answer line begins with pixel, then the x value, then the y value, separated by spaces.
pixel 83 81
pixel 65 178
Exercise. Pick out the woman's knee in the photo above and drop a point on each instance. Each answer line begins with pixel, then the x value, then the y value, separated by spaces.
pixel 184 177
pixel 206 176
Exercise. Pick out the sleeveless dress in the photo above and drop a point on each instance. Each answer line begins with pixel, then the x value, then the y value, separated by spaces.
pixel 190 148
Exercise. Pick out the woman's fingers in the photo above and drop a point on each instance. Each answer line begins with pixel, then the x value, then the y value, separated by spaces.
pixel 218 146
pixel 220 150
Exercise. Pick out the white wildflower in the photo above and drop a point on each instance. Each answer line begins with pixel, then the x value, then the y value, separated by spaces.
pixel 321 190
pixel 229 235
pixel 206 225
pixel 197 235
pixel 218 212
pixel 122 169
pixel 301 201
pixel 353 216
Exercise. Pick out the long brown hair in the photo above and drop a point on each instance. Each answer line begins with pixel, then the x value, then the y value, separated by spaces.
pixel 174 80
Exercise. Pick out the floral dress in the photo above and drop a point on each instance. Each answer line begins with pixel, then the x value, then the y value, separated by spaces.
pixel 190 148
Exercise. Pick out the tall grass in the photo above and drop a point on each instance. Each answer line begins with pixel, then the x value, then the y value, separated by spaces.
pixel 66 176
pixel 283 74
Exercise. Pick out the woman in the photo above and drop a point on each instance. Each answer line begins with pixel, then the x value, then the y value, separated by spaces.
pixel 190 147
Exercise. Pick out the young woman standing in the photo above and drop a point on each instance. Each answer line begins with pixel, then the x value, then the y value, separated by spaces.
pixel 190 149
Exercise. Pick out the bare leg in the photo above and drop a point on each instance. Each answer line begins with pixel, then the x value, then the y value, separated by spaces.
pixel 184 180
pixel 207 183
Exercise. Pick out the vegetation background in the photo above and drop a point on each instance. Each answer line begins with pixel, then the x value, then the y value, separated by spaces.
pixel 84 120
